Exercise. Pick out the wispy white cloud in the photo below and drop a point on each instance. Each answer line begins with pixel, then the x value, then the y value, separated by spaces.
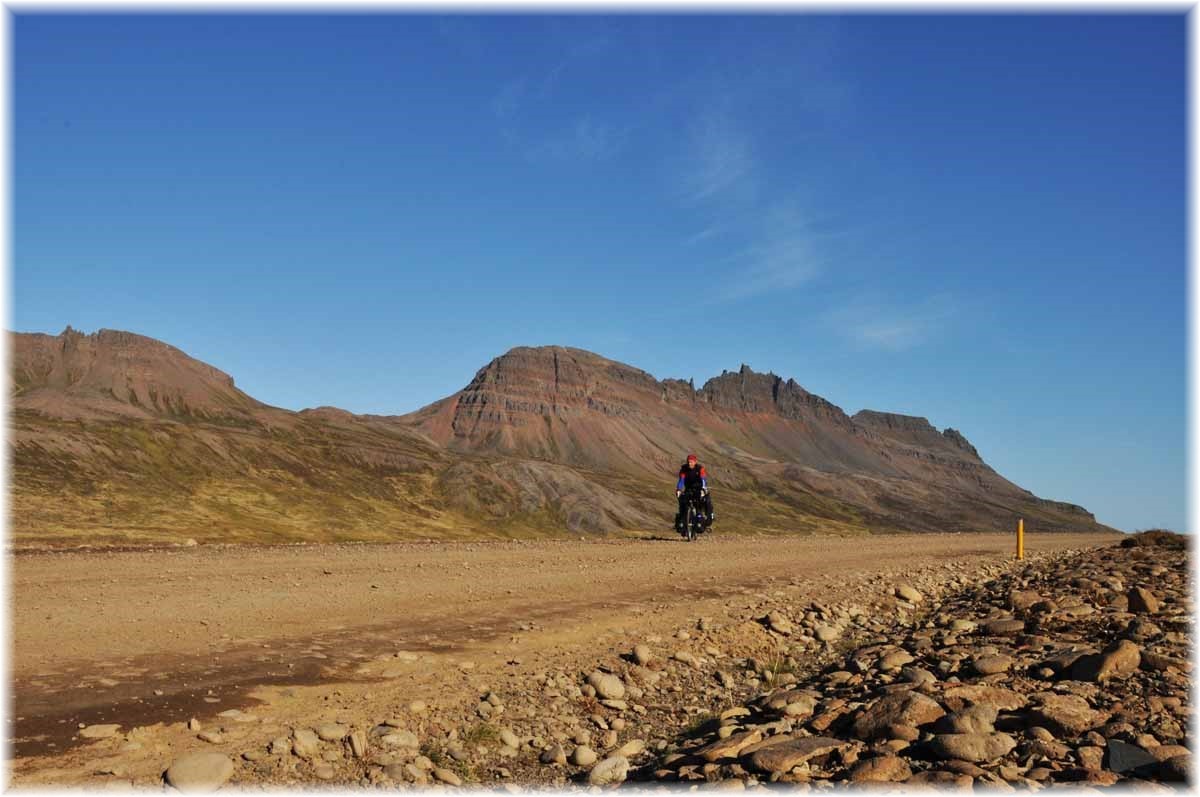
pixel 720 158
pixel 584 140
pixel 738 175
pixel 515 107
pixel 592 140
pixel 724 176
pixel 711 231
pixel 873 323
pixel 783 254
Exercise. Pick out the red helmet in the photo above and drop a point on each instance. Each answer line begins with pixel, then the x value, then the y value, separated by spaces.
pixel 691 457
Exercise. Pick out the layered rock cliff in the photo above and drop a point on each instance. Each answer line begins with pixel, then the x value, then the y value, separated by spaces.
pixel 575 407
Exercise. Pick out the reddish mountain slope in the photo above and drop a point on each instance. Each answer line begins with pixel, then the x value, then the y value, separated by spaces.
pixel 120 437
pixel 112 373
pixel 756 431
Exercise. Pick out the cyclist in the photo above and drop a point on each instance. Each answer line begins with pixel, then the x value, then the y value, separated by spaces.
pixel 693 477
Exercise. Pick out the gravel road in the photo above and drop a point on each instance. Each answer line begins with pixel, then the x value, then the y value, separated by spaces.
pixel 138 638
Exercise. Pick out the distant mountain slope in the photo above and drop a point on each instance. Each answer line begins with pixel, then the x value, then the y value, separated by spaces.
pixel 119 374
pixel 755 432
pixel 118 437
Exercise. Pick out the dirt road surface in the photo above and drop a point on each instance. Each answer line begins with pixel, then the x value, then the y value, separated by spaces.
pixel 153 638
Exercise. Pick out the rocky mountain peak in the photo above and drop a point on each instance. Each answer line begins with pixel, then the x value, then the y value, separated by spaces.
pixel 893 420
pixel 957 439
pixel 914 429
pixel 748 391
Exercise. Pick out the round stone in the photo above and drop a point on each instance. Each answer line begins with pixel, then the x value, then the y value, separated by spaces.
pixel 992 665
pixel 196 773
pixel 583 756
pixel 331 731
pixel 606 685
pixel 610 770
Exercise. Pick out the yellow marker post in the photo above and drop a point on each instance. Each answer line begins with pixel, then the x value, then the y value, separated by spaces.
pixel 1021 538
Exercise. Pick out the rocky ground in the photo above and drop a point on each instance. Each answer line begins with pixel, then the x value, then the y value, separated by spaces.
pixel 1068 668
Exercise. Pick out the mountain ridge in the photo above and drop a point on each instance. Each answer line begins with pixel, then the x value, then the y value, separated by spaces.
pixel 542 440
pixel 119 372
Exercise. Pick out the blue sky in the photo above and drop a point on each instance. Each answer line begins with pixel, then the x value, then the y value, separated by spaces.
pixel 979 219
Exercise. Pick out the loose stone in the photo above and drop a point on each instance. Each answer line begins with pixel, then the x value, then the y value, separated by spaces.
pixel 196 773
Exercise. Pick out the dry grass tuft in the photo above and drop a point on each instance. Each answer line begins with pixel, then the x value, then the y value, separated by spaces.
pixel 1160 538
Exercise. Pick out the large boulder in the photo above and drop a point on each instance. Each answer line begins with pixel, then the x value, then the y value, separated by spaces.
pixel 895 660
pixel 1004 627
pixel 958 697
pixel 974 747
pixel 1022 599
pixel 972 719
pixel 1142 601
pixel 1119 660
pixel 1066 715
pixel 881 769
pixel 1123 757
pixel 730 747
pixel 992 665
pixel 899 708
pixel 793 752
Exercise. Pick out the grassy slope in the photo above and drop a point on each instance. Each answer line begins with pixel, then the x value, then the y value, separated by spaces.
pixel 138 482
pixel 308 479
pixel 166 482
